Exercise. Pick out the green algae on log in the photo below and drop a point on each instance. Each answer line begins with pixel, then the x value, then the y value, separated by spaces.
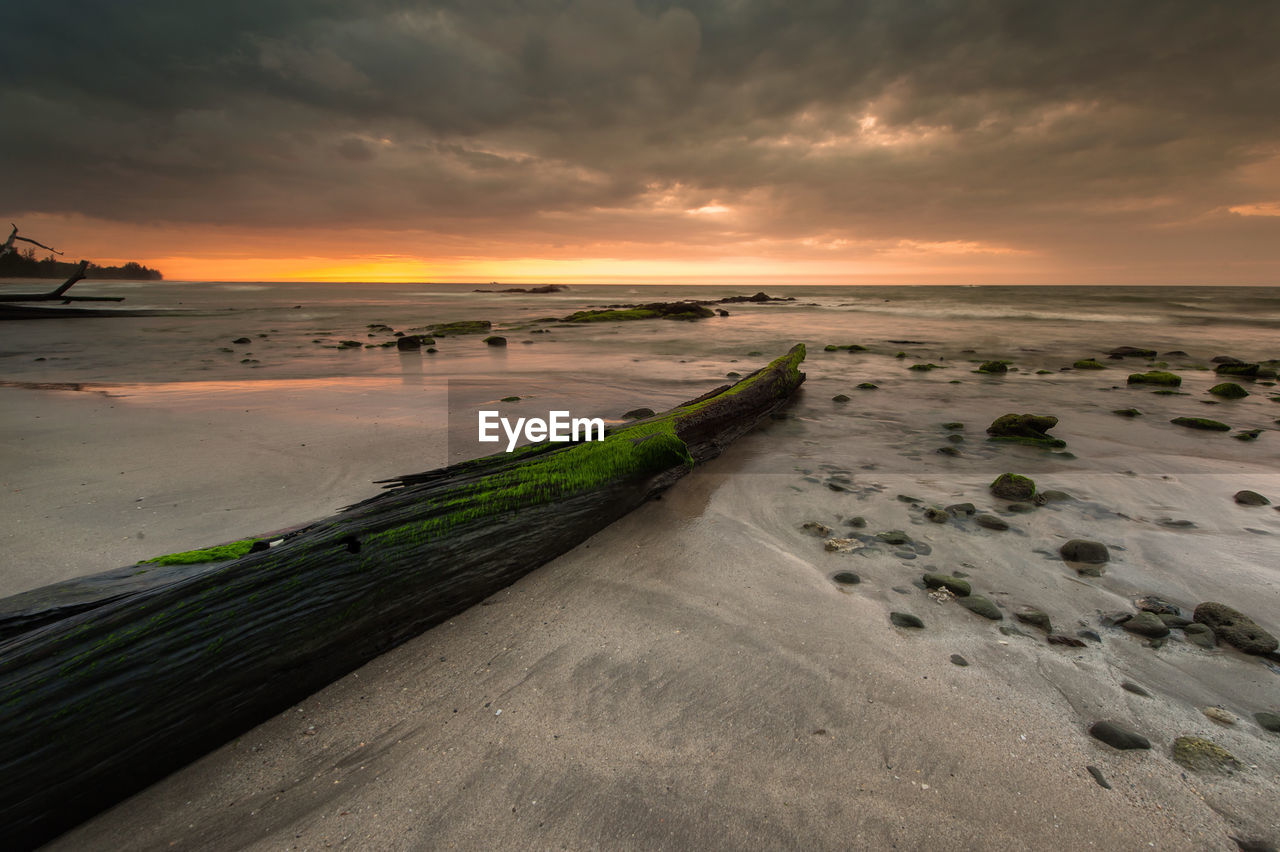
pixel 106 696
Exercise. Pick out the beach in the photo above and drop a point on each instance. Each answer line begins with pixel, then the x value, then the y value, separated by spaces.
pixel 693 675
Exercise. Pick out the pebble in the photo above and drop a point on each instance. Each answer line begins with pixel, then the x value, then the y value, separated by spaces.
pixel 1200 634
pixel 1099 777
pixel 1118 736
pixel 1147 624
pixel 979 605
pixel 961 509
pixel 1130 686
pixel 906 619
pixel 1251 498
pixel 991 522
pixel 1268 720
pixel 1086 551
pixel 959 588
pixel 1034 617
pixel 847 578
pixel 959 660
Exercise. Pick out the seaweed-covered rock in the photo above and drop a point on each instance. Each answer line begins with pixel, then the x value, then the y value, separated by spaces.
pixel 1025 428
pixel 1118 736
pixel 1249 370
pixel 995 367
pixel 1235 628
pixel 1132 352
pixel 921 368
pixel 409 343
pixel 1147 624
pixel 979 605
pixel 1202 423
pixel 1251 498
pixel 936 515
pixel 1127 412
pixel 461 327
pixel 638 413
pixel 867 386
pixel 1247 434
pixel 1156 377
pixel 959 588
pixel 1203 755
pixel 894 537
pixel 495 340
pixel 1089 364
pixel 1086 551
pixel 652 310
pixel 1013 486
pixel 1229 390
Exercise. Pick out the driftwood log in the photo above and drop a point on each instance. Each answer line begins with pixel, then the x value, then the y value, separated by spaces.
pixel 107 684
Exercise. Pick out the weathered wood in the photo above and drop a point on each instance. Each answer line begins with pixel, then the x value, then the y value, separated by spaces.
pixel 103 692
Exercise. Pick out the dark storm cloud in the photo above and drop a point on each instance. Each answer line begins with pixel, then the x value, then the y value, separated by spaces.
pixel 994 120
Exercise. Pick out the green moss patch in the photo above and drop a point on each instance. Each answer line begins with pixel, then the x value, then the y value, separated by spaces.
pixel 1203 423
pixel 234 550
pixel 1229 390
pixel 1089 364
pixel 1156 377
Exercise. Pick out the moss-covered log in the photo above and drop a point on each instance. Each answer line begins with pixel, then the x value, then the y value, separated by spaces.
pixel 106 686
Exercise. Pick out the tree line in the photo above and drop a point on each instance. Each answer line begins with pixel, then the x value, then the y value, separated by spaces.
pixel 24 264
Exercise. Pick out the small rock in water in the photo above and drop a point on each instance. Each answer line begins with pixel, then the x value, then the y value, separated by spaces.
pixel 1160 606
pixel 936 515
pixel 1200 634
pixel 847 578
pixel 1146 624
pixel 1268 720
pixel 1173 620
pixel 857 522
pixel 495 340
pixel 816 528
pixel 961 509
pixel 840 397
pixel 1251 498
pixel 1202 755
pixel 991 522
pixel 894 537
pixel 1219 715
pixel 638 413
pixel 1118 736
pixel 959 660
pixel 906 498
pixel 1062 639
pixel 1099 777
pixel 1055 496
pixel 867 386
pixel 954 425
pixel 1034 617
pixel 905 619
pixel 1091 635
pixel 1021 508
pixel 1130 686
pixel 1235 628
pixel 1083 550
pixel 979 605
pixel 408 344
pixel 1127 412
pixel 947 451
pixel 1012 486
pixel 1025 428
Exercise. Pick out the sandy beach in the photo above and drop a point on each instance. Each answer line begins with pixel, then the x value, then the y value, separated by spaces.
pixel 692 675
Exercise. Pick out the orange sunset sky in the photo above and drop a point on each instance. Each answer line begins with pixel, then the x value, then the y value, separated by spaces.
pixel 625 140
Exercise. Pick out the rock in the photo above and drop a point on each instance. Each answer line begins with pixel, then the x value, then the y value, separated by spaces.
pixel 867 386
pixel 841 545
pixel 924 368
pixel 907 498
pixel 1012 486
pixel 1117 736
pixel 1219 715
pixel 961 509
pixel 1202 423
pixel 991 522
pixel 1091 635
pixel 1034 617
pixel 997 367
pixel 1237 369
pixel 846 347
pixel 1099 777
pixel 350 344
pixel 1025 428
pixel 722 312
pixel 1254 844
pixel 1156 377
pixel 954 426
pixel 821 530
pixel 906 619
pixel 1201 635
pixel 847 578
pixel 1235 628
pixel 955 439
pixel 857 522
pixel 840 397
pixel 1251 498
pixel 1171 620
pixel 408 343
pixel 1055 496
pixel 958 660
pixel 1127 412
pixel 948 450
pixel 638 414
pixel 978 605
pixel 1085 551
pixel 894 537
pixel 1132 352
pixel 1147 624
pixel 1224 359
pixel 495 340
pixel 1089 364
pixel 959 588
pixel 445 329
pixel 1247 434
pixel 1268 720
pixel 1229 390
pixel 1160 606
pixel 936 515
pixel 1021 508
pixel 1202 755
pixel 1061 639
pixel 1130 686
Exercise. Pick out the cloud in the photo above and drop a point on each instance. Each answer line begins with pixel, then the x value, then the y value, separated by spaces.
pixel 1106 130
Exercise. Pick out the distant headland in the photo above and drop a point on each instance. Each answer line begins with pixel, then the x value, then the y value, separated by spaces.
pixel 25 265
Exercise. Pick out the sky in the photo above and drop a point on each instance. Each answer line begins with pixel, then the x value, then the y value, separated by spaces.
pixel 877 142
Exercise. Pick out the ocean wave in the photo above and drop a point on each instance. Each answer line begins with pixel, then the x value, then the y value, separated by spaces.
pixel 984 313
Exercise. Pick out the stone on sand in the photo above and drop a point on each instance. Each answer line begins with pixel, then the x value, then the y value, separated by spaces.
pixel 1235 628
pixel 1118 736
